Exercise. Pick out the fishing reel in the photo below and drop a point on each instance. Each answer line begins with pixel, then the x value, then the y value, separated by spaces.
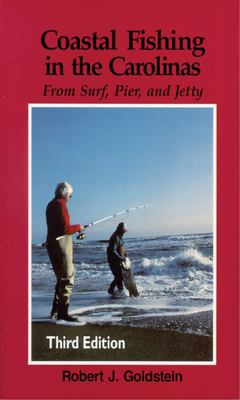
pixel 81 236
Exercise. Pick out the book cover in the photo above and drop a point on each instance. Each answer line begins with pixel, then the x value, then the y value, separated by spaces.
pixel 121 207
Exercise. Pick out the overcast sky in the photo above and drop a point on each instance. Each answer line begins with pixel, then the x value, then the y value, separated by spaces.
pixel 116 158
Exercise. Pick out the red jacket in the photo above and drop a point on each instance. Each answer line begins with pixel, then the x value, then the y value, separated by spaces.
pixel 58 219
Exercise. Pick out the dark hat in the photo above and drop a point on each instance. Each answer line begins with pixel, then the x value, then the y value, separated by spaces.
pixel 120 226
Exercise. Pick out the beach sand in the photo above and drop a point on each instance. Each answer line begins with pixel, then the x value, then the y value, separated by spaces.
pixel 161 342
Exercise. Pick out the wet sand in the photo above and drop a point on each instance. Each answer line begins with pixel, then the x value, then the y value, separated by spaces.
pixel 164 341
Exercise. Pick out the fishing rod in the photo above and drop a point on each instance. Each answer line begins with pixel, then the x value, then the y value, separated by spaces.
pixel 116 215
pixel 128 210
pixel 81 236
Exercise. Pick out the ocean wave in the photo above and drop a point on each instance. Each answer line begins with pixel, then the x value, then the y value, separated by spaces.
pixel 187 259
pixel 88 267
pixel 164 268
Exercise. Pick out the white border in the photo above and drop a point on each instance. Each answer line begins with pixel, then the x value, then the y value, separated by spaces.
pixel 43 105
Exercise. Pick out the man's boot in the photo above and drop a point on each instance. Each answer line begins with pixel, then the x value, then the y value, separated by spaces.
pixel 63 313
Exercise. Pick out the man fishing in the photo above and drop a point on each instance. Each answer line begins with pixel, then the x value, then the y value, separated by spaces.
pixel 116 256
pixel 61 251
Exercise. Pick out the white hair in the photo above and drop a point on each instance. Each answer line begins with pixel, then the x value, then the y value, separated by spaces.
pixel 62 189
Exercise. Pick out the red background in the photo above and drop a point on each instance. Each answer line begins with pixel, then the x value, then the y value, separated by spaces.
pixel 22 64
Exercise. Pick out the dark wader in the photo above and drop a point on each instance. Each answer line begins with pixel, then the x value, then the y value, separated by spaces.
pixel 60 253
pixel 116 267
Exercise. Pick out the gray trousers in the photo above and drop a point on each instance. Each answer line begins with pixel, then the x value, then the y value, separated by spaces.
pixel 61 253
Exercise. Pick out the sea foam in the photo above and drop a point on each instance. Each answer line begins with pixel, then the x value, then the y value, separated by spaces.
pixel 186 259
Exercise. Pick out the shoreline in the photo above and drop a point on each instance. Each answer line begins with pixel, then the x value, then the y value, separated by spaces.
pixel 159 343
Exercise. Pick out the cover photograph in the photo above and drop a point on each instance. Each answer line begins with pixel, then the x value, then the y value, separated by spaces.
pixel 163 310
pixel 120 167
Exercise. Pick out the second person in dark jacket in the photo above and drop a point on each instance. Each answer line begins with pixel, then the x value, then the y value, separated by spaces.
pixel 116 255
